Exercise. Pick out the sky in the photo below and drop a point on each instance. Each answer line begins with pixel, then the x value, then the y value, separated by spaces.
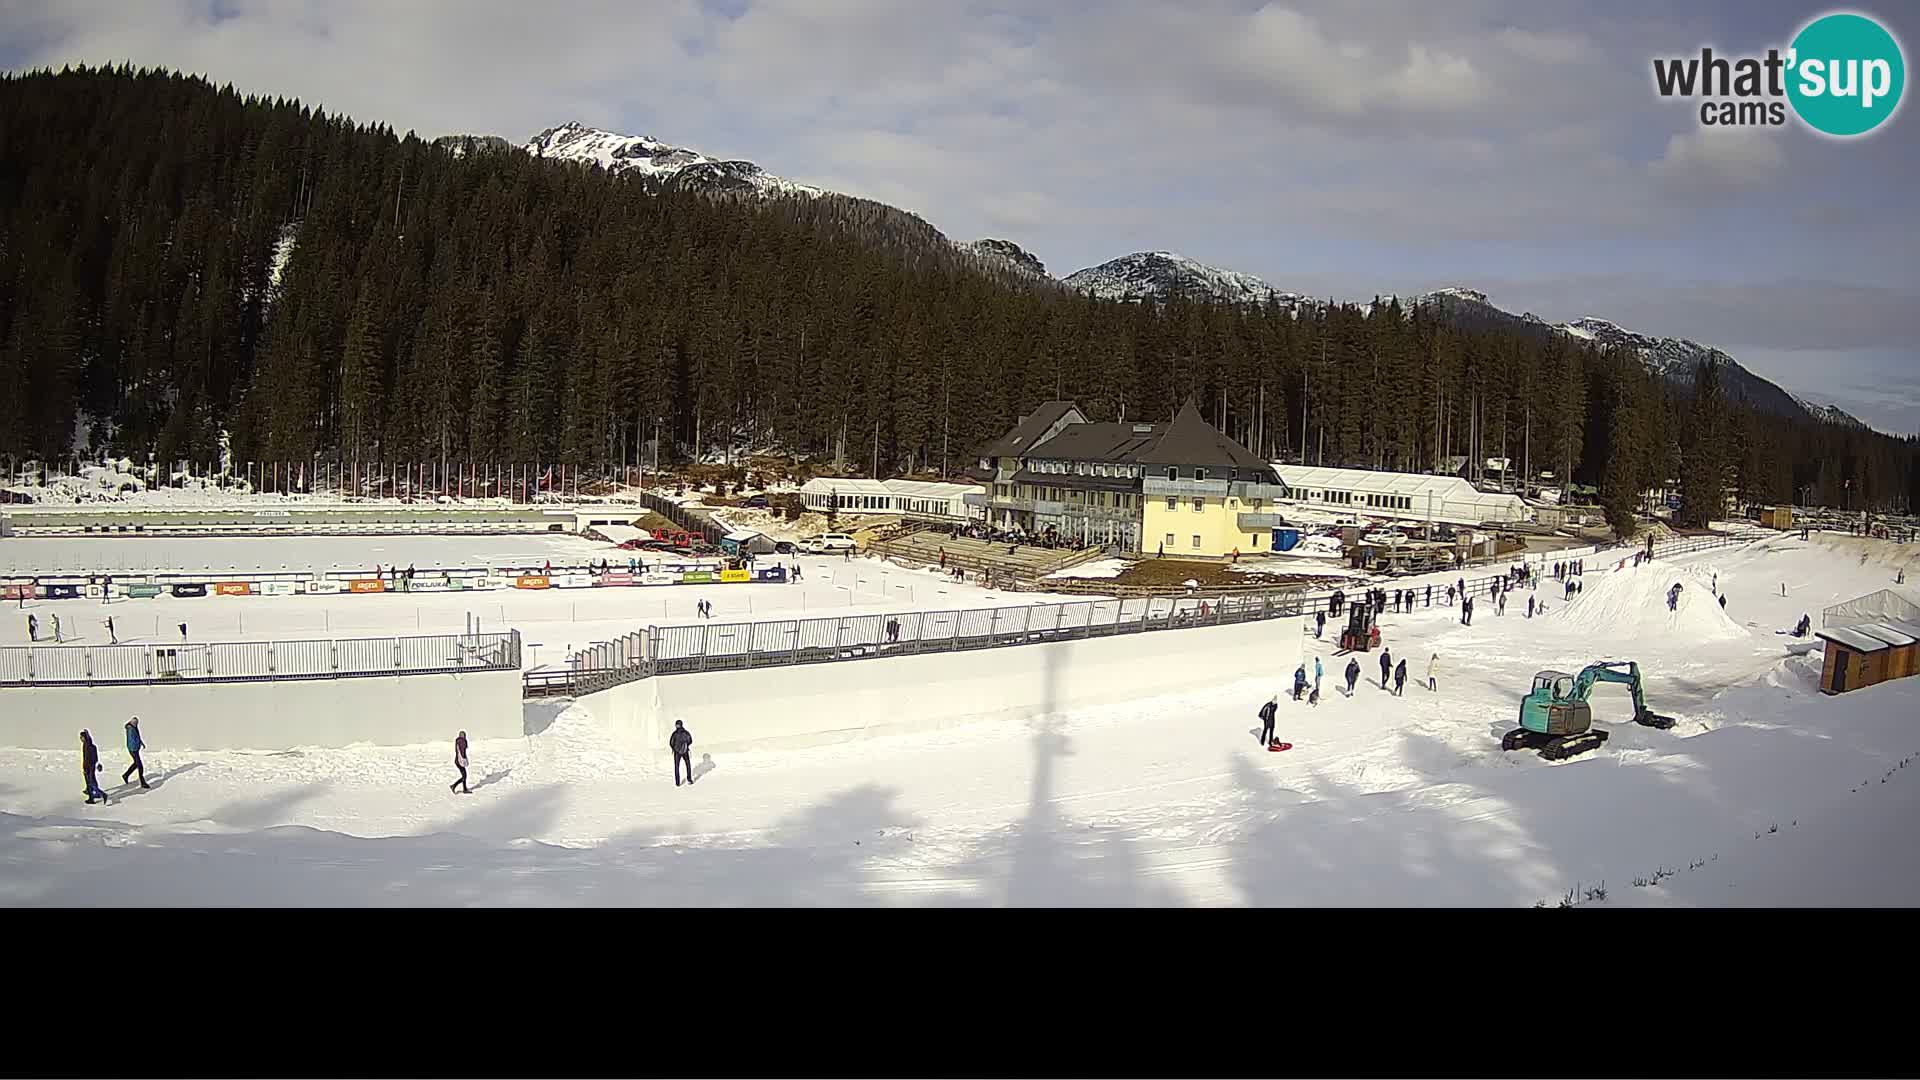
pixel 1340 149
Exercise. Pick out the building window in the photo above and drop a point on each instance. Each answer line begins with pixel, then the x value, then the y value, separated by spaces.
pixel 1169 540
pixel 1173 473
pixel 1196 541
pixel 1199 505
pixel 1173 502
pixel 1199 474
pixel 1259 541
pixel 1255 503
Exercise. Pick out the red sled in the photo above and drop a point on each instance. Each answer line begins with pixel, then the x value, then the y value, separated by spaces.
pixel 1276 746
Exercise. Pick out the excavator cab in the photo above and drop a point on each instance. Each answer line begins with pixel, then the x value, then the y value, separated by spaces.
pixel 1556 720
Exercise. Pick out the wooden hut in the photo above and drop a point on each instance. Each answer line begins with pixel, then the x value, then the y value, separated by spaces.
pixel 1853 659
pixel 1900 647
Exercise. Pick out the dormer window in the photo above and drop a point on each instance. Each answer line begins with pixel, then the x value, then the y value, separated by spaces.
pixel 1199 474
pixel 1173 472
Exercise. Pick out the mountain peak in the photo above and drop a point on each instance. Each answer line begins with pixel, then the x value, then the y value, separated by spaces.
pixel 1155 275
pixel 645 155
pixel 1009 254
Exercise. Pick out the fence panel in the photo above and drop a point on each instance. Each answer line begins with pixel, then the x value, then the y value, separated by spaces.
pixel 303 657
pixel 365 655
pixel 818 634
pixel 122 663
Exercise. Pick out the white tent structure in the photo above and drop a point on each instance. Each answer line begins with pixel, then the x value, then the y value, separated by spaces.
pixel 1399 496
pixel 857 495
pixel 1887 605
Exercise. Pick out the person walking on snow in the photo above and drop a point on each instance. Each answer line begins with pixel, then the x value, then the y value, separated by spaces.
pixel 1267 713
pixel 1353 675
pixel 1386 667
pixel 460 762
pixel 90 765
pixel 1433 670
pixel 111 636
pixel 56 627
pixel 1529 607
pixel 1319 624
pixel 1400 679
pixel 1429 594
pixel 134 745
pixel 33 628
pixel 1316 675
pixel 1299 681
pixel 1723 601
pixel 681 743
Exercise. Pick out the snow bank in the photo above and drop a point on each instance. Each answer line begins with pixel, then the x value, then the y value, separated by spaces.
pixel 386 711
pixel 1099 568
pixel 816 704
pixel 1632 603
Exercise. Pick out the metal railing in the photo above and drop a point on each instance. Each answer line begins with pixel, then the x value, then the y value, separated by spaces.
pixel 668 650
pixel 257 661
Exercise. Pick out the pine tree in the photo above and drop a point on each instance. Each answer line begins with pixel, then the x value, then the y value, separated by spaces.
pixel 1704 453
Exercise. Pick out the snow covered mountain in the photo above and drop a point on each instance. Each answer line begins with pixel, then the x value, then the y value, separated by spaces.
pixel 460 144
pixel 1832 414
pixel 1154 275
pixel 1673 359
pixel 647 156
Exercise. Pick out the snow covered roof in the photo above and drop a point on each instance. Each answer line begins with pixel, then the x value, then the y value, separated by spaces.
pixel 845 485
pixel 1885 633
pixel 1451 488
pixel 929 489
pixel 741 536
pixel 1853 638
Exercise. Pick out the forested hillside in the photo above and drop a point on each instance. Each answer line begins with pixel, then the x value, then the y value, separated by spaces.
pixel 463 301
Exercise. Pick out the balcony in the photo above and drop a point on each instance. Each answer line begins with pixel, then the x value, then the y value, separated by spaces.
pixel 976 499
pixel 1250 522
pixel 1210 489
pixel 1246 489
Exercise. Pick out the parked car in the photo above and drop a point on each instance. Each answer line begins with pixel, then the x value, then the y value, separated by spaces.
pixel 756 502
pixel 1384 538
pixel 827 544
pixel 783 547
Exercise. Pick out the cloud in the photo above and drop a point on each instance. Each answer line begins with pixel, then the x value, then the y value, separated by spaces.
pixel 1545 47
pixel 1712 160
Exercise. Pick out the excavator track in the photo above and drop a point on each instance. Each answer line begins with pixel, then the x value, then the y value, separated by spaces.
pixel 1554 747
pixel 1654 720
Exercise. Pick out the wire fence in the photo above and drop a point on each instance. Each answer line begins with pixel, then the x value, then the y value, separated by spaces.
pixel 667 650
pixel 257 661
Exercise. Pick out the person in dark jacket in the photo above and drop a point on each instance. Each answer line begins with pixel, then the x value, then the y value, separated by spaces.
pixel 1400 679
pixel 1429 602
pixel 1267 713
pixel 681 743
pixel 1386 667
pixel 1319 624
pixel 460 762
pixel 33 628
pixel 1353 676
pixel 90 765
pixel 135 744
pixel 1299 681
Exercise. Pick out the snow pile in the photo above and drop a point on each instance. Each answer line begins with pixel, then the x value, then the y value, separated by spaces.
pixel 1099 568
pixel 96 483
pixel 1632 603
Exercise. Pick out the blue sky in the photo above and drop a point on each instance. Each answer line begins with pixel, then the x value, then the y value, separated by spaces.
pixel 1341 149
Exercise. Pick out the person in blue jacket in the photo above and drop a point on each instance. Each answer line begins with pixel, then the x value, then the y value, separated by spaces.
pixel 134 745
pixel 1316 674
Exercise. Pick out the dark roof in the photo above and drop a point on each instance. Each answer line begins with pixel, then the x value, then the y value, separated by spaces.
pixel 1111 442
pixel 1190 440
pixel 1075 480
pixel 1029 429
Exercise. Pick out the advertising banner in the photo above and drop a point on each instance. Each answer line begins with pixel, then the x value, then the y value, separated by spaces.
pixel 323 585
pixel 696 577
pixel 616 579
pixel 770 573
pixel 736 575
pixel 427 585
pixel 96 592
pixel 366 585
pixel 60 592
pixel 16 592
pixel 233 588
pixel 195 589
pixel 655 577
pixel 144 592
pixel 574 581
pixel 276 588
pixel 531 581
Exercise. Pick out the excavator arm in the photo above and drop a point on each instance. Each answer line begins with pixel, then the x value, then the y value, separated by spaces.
pixel 1625 672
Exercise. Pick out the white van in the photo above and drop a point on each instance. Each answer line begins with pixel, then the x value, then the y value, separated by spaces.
pixel 827 544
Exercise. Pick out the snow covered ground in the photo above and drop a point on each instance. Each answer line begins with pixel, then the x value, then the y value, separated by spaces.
pixel 1766 792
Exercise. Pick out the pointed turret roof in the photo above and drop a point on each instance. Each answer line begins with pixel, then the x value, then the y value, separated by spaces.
pixel 1190 440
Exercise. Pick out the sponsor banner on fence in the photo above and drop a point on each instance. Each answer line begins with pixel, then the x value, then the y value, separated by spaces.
pixel 60 592
pixel 144 592
pixel 233 588
pixel 366 585
pixel 276 588
pixel 322 585
pixel 16 592
pixel 696 577
pixel 96 592
pixel 611 578
pixel 736 575
pixel 770 573
pixel 194 589
pixel 573 581
pixel 532 581
pixel 423 585
pixel 654 577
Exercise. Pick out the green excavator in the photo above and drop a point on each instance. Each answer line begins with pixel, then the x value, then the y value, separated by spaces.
pixel 1555 718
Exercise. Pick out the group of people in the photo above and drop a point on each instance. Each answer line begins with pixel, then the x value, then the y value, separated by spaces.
pixel 1393 679
pixel 90 766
